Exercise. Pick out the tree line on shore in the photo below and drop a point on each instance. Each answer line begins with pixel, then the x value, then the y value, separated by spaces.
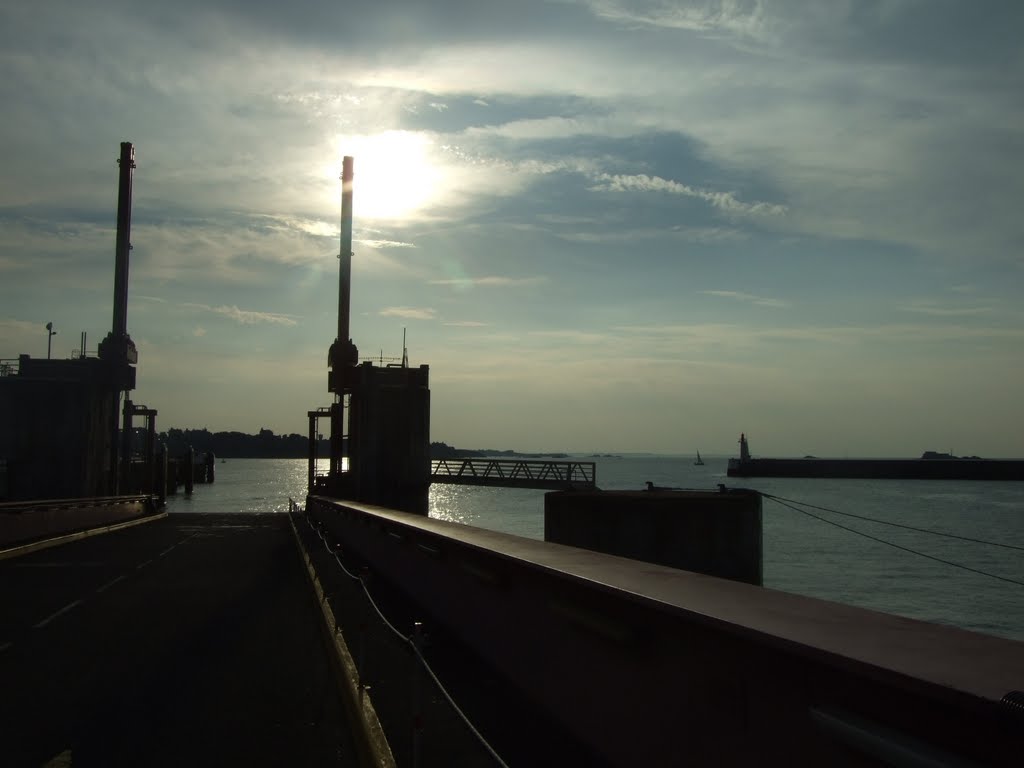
pixel 239 445
pixel 266 445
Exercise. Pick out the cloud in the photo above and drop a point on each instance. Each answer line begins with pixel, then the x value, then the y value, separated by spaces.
pixel 466 324
pixel 412 313
pixel 742 17
pixel 378 244
pixel 928 308
pixel 749 298
pixel 245 316
pixel 724 201
pixel 314 227
pixel 13 331
pixel 199 331
pixel 905 335
pixel 492 280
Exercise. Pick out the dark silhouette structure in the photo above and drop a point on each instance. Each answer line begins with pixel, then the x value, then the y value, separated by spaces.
pixel 60 435
pixel 380 417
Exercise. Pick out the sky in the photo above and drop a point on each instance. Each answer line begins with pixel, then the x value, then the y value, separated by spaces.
pixel 605 225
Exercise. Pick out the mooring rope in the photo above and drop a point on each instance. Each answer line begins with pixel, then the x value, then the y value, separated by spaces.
pixel 895 525
pixel 786 503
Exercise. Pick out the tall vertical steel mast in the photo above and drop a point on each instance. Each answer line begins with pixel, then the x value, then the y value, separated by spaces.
pixel 345 255
pixel 343 354
pixel 118 349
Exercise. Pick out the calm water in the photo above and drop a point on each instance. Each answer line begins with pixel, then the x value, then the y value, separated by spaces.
pixel 801 554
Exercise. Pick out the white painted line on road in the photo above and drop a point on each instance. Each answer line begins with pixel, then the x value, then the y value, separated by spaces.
pixel 5 646
pixel 53 616
pixel 111 583
pixel 178 544
pixel 140 566
pixel 63 760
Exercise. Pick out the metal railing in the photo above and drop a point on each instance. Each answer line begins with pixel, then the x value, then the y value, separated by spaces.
pixel 516 473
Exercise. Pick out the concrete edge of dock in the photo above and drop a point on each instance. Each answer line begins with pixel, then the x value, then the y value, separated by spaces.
pixel 34 546
pixel 371 742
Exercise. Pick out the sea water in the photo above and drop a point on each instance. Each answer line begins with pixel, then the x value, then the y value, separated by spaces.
pixel 896 570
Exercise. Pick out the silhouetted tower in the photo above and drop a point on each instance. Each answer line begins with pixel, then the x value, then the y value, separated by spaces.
pixel 380 418
pixel 117 350
pixel 61 417
pixel 343 354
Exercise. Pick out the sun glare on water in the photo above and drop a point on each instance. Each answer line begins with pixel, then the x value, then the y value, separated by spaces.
pixel 395 176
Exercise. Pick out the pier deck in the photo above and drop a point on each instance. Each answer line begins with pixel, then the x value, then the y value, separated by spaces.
pixel 191 640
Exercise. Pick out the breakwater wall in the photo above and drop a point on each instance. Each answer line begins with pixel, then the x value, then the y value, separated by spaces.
pixel 648 665
pixel 881 469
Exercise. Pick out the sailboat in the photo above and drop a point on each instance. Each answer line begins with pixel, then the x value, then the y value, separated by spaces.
pixel 699 462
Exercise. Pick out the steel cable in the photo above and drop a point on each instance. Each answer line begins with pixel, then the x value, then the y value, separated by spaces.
pixel 896 525
pixel 784 503
pixel 408 640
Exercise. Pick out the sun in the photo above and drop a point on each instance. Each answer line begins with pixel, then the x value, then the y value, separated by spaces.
pixel 395 176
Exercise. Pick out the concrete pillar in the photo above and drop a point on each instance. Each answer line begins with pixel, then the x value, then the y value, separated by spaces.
pixel 190 469
pixel 161 473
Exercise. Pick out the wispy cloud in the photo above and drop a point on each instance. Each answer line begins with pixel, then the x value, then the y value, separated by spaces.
pixel 379 244
pixel 746 19
pixel 492 280
pixel 246 316
pixel 314 227
pixel 937 310
pixel 15 331
pixel 743 336
pixel 760 301
pixel 466 324
pixel 724 201
pixel 412 313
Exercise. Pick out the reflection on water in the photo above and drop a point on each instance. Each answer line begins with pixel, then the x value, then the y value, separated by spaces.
pixel 249 485
pixel 519 511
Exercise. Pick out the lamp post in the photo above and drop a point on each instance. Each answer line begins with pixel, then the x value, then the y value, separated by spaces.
pixel 50 333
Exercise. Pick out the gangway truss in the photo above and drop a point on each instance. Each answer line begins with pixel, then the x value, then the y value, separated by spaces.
pixel 552 475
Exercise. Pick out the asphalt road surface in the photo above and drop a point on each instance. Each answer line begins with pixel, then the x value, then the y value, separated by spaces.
pixel 191 640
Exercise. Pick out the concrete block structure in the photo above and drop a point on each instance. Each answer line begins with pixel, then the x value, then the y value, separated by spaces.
pixel 715 533
pixel 55 436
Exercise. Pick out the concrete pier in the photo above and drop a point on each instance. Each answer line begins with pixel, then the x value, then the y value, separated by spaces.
pixel 620 662
pixel 189 640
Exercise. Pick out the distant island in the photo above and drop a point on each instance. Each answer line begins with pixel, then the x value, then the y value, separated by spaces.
pixel 266 445
pixel 445 451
